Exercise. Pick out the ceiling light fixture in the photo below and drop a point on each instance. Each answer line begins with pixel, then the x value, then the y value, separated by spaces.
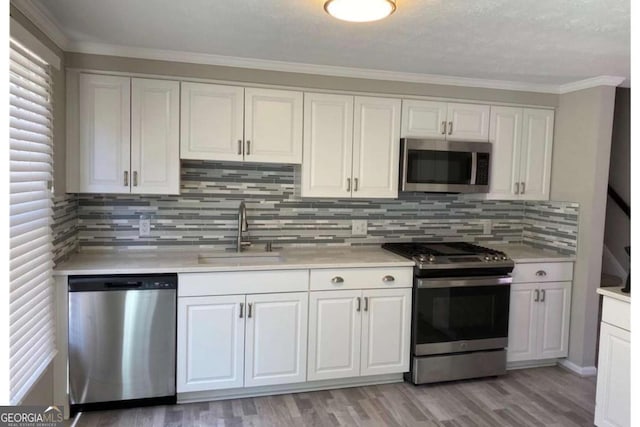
pixel 360 10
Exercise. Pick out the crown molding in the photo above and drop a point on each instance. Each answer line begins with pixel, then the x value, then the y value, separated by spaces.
pixel 589 83
pixel 42 19
pixel 304 68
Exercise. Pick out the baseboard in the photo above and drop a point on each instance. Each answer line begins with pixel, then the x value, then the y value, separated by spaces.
pixel 206 396
pixel 583 371
pixel 531 364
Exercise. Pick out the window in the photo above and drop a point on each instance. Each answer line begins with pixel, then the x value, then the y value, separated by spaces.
pixel 31 309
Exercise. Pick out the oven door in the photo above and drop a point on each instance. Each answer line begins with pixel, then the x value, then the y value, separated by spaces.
pixel 458 315
pixel 444 166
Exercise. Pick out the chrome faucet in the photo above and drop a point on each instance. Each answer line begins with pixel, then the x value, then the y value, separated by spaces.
pixel 242 227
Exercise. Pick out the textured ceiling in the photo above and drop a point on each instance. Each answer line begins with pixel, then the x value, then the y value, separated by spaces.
pixel 532 41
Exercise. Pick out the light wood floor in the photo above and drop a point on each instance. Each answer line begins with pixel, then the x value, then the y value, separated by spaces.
pixel 530 397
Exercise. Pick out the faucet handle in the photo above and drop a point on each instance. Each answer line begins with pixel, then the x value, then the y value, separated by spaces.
pixel 245 244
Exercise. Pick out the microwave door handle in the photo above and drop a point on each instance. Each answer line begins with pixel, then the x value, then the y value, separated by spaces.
pixel 474 168
pixel 404 166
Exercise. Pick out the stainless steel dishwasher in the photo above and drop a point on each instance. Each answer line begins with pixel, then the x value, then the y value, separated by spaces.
pixel 122 341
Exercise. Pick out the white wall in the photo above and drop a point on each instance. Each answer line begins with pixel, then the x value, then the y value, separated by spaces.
pixel 580 172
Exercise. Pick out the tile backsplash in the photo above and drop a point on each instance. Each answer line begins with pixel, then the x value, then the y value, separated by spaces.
pixel 204 215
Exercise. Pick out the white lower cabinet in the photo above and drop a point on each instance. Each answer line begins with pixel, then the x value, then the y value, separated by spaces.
pixel 216 352
pixel 539 321
pixel 210 343
pixel 276 339
pixel 359 332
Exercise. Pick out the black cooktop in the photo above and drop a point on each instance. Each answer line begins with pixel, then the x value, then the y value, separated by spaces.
pixel 413 249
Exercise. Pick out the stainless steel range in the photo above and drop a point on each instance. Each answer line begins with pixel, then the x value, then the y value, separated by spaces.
pixel 460 316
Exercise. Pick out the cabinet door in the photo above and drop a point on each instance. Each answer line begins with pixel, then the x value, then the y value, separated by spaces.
pixel 553 319
pixel 328 137
pixel 334 334
pixel 505 133
pixel 105 136
pixel 276 339
pixel 155 140
pixel 613 402
pixel 386 331
pixel 210 349
pixel 467 122
pixel 212 122
pixel 423 119
pixel 272 126
pixel 523 321
pixel 537 146
pixel 376 147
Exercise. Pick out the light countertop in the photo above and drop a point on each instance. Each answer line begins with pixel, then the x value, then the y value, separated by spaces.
pixel 615 292
pixel 161 261
pixel 523 253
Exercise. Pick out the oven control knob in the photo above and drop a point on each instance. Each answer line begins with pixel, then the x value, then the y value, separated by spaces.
pixel 496 258
pixel 422 258
pixel 431 258
pixel 487 258
pixel 504 257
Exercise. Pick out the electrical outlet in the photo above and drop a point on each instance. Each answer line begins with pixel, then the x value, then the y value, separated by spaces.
pixel 144 227
pixel 359 227
pixel 486 226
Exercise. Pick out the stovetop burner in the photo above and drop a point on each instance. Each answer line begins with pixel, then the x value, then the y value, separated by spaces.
pixel 451 255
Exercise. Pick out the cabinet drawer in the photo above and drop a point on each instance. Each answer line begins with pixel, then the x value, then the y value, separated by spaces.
pixel 240 282
pixel 543 272
pixel 359 278
pixel 616 313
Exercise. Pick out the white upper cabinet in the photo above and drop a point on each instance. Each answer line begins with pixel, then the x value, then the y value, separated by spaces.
pixel 155 140
pixel 273 126
pixel 351 146
pixel 212 123
pixel 376 145
pixel 424 119
pixel 468 122
pixel 104 134
pixel 276 339
pixel 328 135
pixel 537 146
pixel 522 141
pixel 231 123
pixel 445 120
pixel 128 135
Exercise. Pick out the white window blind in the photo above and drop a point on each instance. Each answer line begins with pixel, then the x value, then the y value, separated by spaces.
pixel 31 310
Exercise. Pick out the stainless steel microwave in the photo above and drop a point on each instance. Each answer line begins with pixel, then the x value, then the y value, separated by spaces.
pixel 439 166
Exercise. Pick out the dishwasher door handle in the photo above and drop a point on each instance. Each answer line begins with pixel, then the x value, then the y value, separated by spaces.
pixel 124 285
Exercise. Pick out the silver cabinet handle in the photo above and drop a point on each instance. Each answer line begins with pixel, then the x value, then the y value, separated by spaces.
pixel 543 295
pixel 239 147
pixel 126 178
pixel 537 296
pixel 249 311
pixel 358 306
pixel 355 184
pixel 388 279
pixel 517 190
pixel 366 303
pixel 348 184
pixel 541 273
pixel 241 307
pixel 522 188
pixel 337 279
pixel 444 127
pixel 450 128
pixel 135 178
pixel 248 147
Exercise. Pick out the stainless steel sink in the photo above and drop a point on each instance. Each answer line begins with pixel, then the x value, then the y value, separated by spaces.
pixel 240 258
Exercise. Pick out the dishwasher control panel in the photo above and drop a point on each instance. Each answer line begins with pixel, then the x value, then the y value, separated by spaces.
pixel 125 282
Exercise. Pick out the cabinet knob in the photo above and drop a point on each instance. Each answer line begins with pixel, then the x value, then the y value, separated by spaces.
pixel 126 178
pixel 337 279
pixel 450 128
pixel 517 190
pixel 239 147
pixel 388 279
pixel 522 184
pixel 248 147
pixel 541 273
pixel 135 178
pixel 348 184
pixel 444 127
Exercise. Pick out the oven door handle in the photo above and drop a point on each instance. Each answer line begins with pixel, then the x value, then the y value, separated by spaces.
pixel 459 282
